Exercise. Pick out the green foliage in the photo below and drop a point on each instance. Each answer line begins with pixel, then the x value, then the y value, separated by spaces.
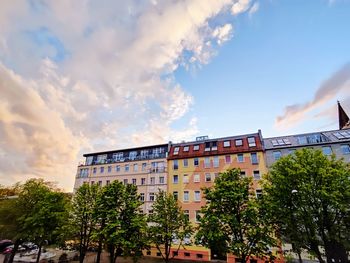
pixel 167 223
pixel 234 218
pixel 310 194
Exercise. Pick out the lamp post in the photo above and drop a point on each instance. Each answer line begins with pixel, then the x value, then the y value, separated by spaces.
pixel 295 247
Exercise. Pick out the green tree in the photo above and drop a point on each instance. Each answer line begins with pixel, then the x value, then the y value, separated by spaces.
pixel 82 219
pixel 235 217
pixel 310 195
pixel 168 225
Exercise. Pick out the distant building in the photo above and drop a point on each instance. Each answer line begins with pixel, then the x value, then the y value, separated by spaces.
pixel 344 121
pixel 145 167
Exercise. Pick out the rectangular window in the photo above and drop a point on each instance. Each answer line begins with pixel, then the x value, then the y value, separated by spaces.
pixel 196 147
pixel 185 162
pixel 198 215
pixel 258 193
pixel 186 148
pixel 108 182
pixel 151 197
pixel 176 150
pixel 227 143
pixel 92 182
pixel 185 179
pixel 291 151
pixel 196 178
pixel 242 173
pixel 176 195
pixel 143 181
pixel 144 166
pixel 216 161
pixel 208 177
pixel 102 169
pixel 144 154
pixel 186 196
pixel 175 179
pixel 277 155
pixel 207 147
pixel 206 162
pixel 117 168
pixel 153 180
pixel 125 181
pixel 228 158
pixel 175 164
pixel 327 150
pixel 214 146
pixel 134 181
pixel 197 196
pixel 254 158
pixel 240 158
pixel 99 183
pixel 239 142
pixel 345 149
pixel 256 175
pixel 132 155
pixel 136 167
pixel 195 161
pixel 126 168
pixel 161 180
pixel 109 169
pixel 187 214
pixel 187 254
pixel 142 197
pixel 94 170
pixel 251 142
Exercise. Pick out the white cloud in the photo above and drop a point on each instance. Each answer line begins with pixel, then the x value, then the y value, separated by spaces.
pixel 96 79
pixel 240 6
pixel 254 8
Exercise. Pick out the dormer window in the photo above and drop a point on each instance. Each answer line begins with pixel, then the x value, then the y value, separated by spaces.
pixel 251 142
pixel 214 146
pixel 227 143
pixel 186 148
pixel 176 150
pixel 195 147
pixel 207 147
pixel 239 142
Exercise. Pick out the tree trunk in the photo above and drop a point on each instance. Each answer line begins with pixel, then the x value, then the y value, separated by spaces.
pixel 111 253
pixel 39 253
pixel 299 256
pixel 99 251
pixel 14 250
pixel 335 252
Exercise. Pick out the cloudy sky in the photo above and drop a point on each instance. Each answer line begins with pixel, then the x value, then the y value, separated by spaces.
pixel 81 76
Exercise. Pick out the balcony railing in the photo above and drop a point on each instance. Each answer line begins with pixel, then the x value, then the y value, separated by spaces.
pixel 129 159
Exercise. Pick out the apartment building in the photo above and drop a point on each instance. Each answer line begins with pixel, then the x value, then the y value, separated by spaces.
pixel 145 167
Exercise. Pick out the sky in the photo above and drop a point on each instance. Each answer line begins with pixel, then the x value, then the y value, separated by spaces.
pixel 83 76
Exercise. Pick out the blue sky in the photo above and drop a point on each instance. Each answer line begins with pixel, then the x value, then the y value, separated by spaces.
pixel 132 73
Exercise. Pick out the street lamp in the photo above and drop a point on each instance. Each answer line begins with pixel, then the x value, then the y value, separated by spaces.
pixel 295 248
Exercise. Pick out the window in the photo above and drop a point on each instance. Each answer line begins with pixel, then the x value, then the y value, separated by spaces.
pixel 187 254
pixel 216 161
pixel 99 183
pixel 195 161
pixel 175 164
pixel 256 175
pixel 196 178
pixel 258 193
pixel 345 149
pixel 199 255
pixel 92 182
pixel 228 159
pixel 125 181
pixel 254 158
pixel 134 181
pixel 102 169
pixel 242 173
pixel 186 196
pixel 185 162
pixel 153 180
pixel 198 215
pixel 94 170
pixel 144 166
pixel 175 179
pixel 207 147
pixel 195 147
pixel 126 168
pixel 148 253
pixel 176 150
pixel 143 181
pixel 251 142
pixel 214 146
pixel 227 143
pixel 159 254
pixel 277 155
pixel 89 160
pixel 132 155
pixel 327 150
pixel 278 142
pixel 216 175
pixel 117 168
pixel 144 154
pixel 161 180
pixel 176 195
pixel 108 182
pixel 291 151
pixel 187 214
pixel 109 169
pixel 197 196
pixel 175 253
pixel 240 158
pixel 239 142
pixel 206 162
pixel 118 156
pixel 151 197
pixel 208 177
pixel 185 179
pixel 136 167
pixel 101 158
pixel 186 148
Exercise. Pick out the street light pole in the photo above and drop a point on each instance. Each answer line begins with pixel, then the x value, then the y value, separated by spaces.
pixel 294 247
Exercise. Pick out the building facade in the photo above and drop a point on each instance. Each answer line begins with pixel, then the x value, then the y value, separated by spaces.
pixel 145 167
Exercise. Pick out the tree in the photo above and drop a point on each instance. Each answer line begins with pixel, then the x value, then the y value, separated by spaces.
pixel 310 194
pixel 168 225
pixel 82 219
pixel 235 217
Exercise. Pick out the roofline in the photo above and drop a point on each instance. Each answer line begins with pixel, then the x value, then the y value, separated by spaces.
pixel 127 149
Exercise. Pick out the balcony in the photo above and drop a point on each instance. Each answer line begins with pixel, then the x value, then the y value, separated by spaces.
pixel 157 170
pixel 130 159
